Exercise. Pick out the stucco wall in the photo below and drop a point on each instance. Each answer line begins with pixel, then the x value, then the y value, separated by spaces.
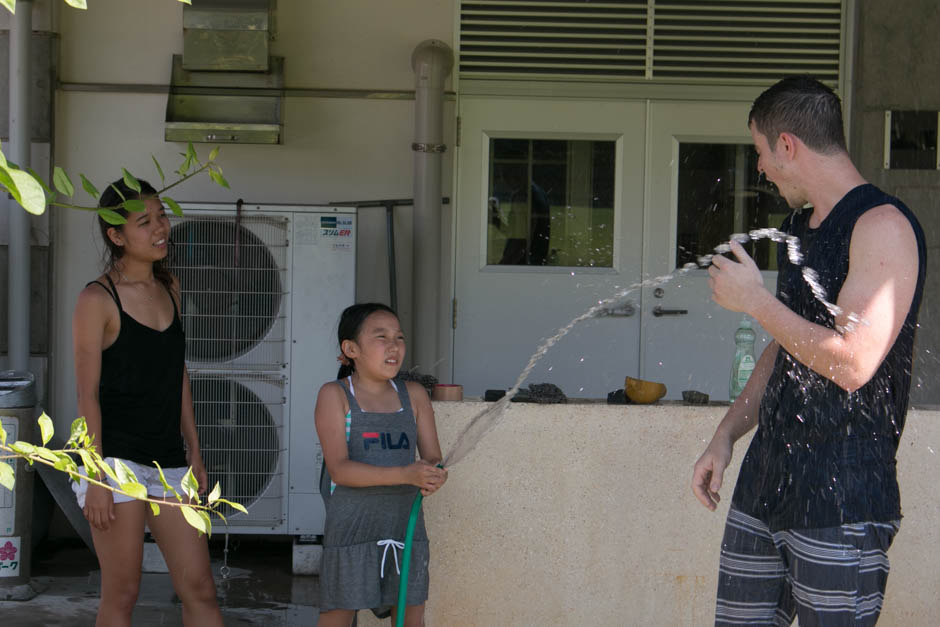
pixel 895 68
pixel 583 515
pixel 335 149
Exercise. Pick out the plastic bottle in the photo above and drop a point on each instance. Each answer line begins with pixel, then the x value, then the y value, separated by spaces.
pixel 743 363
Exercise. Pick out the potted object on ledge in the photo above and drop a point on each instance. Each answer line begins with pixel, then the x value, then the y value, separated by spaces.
pixel 447 392
pixel 643 392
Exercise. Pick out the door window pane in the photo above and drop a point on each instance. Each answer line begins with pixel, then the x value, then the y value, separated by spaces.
pixel 551 203
pixel 720 193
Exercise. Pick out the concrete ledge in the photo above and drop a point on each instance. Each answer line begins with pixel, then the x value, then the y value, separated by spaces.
pixel 583 515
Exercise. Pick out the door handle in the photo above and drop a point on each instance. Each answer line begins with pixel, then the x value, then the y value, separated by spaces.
pixel 659 311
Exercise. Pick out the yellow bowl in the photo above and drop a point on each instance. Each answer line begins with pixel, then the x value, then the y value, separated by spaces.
pixel 643 392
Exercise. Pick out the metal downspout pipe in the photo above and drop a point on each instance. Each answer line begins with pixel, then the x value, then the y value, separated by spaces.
pixel 431 61
pixel 18 266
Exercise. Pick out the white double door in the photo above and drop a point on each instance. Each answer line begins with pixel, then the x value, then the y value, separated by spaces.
pixel 675 333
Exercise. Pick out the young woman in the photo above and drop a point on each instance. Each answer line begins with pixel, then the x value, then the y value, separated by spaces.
pixel 134 392
pixel 369 424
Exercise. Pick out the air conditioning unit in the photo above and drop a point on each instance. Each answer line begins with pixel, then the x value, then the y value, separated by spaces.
pixel 263 287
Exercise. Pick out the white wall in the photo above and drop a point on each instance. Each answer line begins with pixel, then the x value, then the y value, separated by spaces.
pixel 334 149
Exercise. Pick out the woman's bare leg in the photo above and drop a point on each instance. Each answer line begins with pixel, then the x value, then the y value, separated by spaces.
pixel 120 551
pixel 187 557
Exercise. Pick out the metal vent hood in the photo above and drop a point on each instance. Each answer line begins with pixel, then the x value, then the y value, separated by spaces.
pixel 225 87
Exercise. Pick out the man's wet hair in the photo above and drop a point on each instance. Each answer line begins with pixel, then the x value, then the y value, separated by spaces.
pixel 804 107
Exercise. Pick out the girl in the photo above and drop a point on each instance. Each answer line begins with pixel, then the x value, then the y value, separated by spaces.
pixel 369 424
pixel 133 390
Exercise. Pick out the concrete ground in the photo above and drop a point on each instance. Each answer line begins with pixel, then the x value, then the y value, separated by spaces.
pixel 260 589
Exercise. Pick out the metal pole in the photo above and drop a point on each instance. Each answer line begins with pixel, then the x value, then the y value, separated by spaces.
pixel 18 270
pixel 390 234
pixel 432 61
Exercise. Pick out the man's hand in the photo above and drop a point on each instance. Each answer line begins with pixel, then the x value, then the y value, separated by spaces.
pixel 709 471
pixel 734 283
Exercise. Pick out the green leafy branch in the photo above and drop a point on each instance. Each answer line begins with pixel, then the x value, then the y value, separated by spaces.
pixel 34 195
pixel 97 470
pixel 10 5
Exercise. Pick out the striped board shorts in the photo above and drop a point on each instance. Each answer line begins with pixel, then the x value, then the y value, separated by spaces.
pixel 829 576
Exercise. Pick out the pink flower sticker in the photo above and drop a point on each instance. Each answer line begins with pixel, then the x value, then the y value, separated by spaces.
pixel 8 551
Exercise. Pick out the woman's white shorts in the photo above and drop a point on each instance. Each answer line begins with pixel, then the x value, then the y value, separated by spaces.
pixel 148 476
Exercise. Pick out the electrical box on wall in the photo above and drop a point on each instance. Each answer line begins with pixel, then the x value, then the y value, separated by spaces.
pixel 911 140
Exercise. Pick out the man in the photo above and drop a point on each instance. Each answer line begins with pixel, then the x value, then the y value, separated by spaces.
pixel 816 504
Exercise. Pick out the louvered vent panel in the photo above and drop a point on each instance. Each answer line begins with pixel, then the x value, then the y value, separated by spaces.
pixel 634 40
pixel 744 39
pixel 553 39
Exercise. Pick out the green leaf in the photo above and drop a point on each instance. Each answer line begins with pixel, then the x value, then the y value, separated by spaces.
pixel 7 476
pixel 155 508
pixel 27 191
pixel 166 486
pixel 46 428
pixel 174 206
pixel 78 430
pixel 10 5
pixel 119 193
pixel 3 436
pixel 77 4
pixel 189 2
pixel 62 182
pixel 91 189
pixel 124 474
pixel 46 454
pixel 215 494
pixel 235 506
pixel 135 489
pixel 190 485
pixel 65 463
pixel 131 181
pixel 159 170
pixel 208 521
pixel 36 176
pixel 112 217
pixel 219 514
pixel 191 153
pixel 184 167
pixel 135 205
pixel 6 181
pixel 88 461
pixel 218 178
pixel 105 468
pixel 195 520
pixel 214 153
pixel 23 448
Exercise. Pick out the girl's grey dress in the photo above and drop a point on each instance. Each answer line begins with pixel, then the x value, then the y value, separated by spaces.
pixel 365 527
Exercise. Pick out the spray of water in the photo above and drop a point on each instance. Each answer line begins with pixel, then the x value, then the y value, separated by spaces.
pixel 483 423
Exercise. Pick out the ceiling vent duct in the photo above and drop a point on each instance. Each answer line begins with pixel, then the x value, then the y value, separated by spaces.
pixel 226 87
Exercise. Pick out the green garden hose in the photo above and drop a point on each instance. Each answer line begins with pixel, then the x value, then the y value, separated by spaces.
pixel 406 558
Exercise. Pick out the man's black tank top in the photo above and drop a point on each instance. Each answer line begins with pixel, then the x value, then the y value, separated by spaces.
pixel 822 456
pixel 141 390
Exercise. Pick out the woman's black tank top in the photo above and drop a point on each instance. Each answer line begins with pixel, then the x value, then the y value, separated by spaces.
pixel 141 390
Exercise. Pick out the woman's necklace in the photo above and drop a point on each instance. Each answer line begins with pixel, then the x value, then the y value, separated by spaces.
pixel 128 281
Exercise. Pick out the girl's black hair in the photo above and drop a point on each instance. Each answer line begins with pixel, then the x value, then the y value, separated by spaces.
pixel 111 198
pixel 350 324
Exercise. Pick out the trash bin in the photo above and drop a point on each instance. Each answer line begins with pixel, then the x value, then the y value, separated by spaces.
pixel 18 413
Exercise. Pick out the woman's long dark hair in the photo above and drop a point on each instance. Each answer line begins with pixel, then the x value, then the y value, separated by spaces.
pixel 111 198
pixel 350 324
